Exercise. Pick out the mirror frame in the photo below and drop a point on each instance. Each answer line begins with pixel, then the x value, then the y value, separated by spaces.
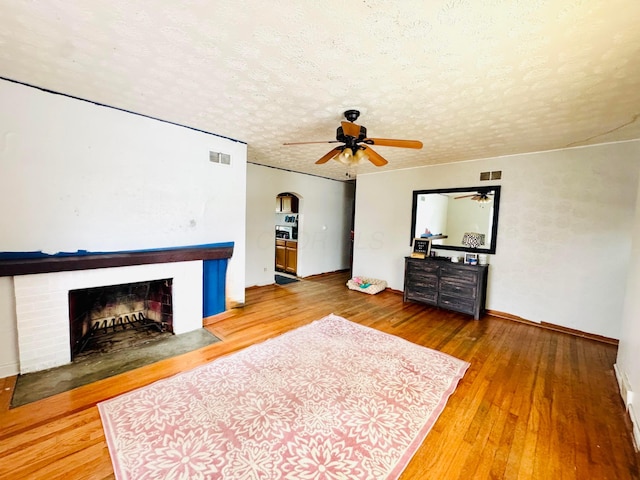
pixel 494 228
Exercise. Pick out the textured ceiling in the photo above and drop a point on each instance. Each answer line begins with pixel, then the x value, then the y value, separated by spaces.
pixel 471 79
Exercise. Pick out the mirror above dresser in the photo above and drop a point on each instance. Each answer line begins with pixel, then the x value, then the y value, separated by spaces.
pixel 466 216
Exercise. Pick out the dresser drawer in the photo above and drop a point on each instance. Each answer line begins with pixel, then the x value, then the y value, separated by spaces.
pixel 425 296
pixel 420 267
pixel 422 281
pixel 459 274
pixel 456 287
pixel 459 304
pixel 421 288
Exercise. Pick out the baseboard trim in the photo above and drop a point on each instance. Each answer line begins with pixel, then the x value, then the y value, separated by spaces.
pixel 555 328
pixel 9 369
pixel 636 428
pixel 626 393
pixel 324 274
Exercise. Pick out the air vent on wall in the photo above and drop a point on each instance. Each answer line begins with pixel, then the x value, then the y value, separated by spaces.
pixel 496 175
pixel 217 157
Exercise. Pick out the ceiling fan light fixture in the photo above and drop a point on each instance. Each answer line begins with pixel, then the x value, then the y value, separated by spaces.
pixel 348 157
pixel 351 160
pixel 360 156
pixel 345 156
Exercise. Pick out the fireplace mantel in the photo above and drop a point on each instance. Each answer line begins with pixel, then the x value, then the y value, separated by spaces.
pixel 12 264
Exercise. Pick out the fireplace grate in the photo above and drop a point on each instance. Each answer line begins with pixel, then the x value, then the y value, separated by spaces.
pixel 108 326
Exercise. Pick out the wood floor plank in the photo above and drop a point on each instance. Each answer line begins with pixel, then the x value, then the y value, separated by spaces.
pixel 6 388
pixel 533 404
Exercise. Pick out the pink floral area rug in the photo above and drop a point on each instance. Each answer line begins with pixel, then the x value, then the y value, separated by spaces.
pixel 329 400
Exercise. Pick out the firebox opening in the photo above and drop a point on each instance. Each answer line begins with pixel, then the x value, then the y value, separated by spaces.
pixel 117 317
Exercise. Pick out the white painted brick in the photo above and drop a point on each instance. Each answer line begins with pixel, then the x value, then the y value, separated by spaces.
pixel 25 283
pixel 42 296
pixel 42 364
pixel 26 315
pixel 49 303
pixel 24 307
pixel 36 357
pixel 29 304
pixel 34 325
pixel 45 342
pixel 56 353
pixel 51 347
pixel 61 312
pixel 44 317
pixel 48 355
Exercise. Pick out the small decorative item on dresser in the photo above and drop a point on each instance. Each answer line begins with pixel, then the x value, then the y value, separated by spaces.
pixel 421 248
pixel 471 258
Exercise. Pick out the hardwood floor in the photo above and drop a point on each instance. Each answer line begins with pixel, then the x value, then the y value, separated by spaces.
pixel 534 404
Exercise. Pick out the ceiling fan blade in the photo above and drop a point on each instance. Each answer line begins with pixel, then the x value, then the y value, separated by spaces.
pixel 374 157
pixel 329 155
pixel 465 196
pixel 350 129
pixel 475 196
pixel 308 143
pixel 390 142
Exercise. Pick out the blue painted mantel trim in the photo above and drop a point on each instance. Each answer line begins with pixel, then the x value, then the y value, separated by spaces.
pixel 214 258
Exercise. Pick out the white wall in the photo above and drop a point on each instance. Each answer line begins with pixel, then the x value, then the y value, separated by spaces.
pixel 627 364
pixel 324 222
pixel 432 213
pixel 564 232
pixel 8 329
pixel 468 219
pixel 74 175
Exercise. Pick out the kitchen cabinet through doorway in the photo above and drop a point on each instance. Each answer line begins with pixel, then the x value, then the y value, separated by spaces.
pixel 286 204
pixel 287 256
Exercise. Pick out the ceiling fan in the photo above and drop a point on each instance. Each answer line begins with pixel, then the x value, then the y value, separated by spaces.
pixel 357 146
pixel 480 196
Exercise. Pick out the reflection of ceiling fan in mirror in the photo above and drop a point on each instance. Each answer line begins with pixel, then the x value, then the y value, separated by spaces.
pixel 357 146
pixel 480 196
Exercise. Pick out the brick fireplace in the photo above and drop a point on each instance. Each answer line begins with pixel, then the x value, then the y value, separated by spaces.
pixel 42 306
pixel 42 284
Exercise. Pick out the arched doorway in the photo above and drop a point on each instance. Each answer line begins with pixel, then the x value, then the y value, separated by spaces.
pixel 287 224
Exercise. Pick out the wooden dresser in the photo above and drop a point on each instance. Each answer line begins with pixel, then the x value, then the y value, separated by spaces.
pixel 453 286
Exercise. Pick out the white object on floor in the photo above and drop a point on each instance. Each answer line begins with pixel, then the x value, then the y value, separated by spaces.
pixel 374 285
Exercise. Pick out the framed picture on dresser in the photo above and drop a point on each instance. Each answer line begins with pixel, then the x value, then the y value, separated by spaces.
pixel 421 248
pixel 471 258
